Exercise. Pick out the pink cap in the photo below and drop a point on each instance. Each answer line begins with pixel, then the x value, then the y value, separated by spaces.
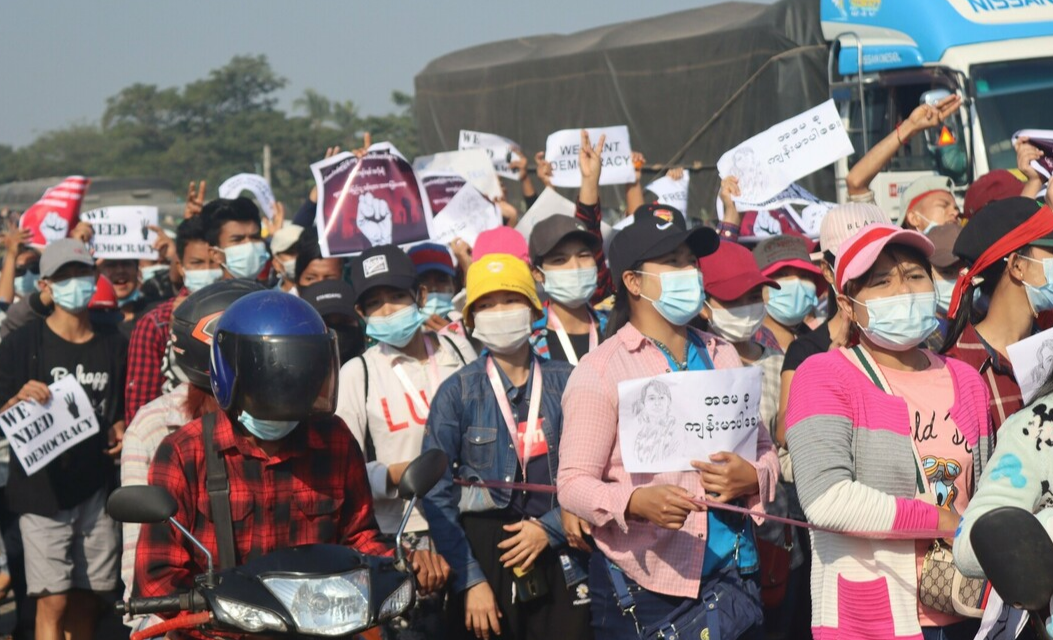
pixel 859 253
pixel 501 240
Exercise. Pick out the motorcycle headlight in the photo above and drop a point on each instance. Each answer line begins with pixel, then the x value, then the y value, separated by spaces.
pixel 397 602
pixel 326 606
pixel 246 617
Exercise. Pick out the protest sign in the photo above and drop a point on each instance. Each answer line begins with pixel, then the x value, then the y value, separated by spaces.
pixel 562 147
pixel 1043 140
pixel 501 150
pixel 254 184
pixel 1032 360
pixel 368 202
pixel 666 421
pixel 123 233
pixel 38 433
pixel 794 210
pixel 772 160
pixel 549 203
pixel 472 164
pixel 465 216
pixel 672 192
pixel 53 216
pixel 441 187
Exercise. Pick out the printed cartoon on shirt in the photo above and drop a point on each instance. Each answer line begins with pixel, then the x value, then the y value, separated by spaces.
pixel 657 439
pixel 941 474
pixel 1040 426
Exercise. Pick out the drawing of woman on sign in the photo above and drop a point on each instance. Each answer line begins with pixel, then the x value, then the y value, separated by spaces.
pixel 657 439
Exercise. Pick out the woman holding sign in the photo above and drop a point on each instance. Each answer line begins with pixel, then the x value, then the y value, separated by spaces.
pixel 887 439
pixel 661 558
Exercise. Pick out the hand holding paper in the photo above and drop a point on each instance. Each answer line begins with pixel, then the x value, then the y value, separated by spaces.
pixel 728 476
pixel 665 505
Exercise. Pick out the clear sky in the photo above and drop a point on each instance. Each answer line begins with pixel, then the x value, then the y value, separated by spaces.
pixel 61 59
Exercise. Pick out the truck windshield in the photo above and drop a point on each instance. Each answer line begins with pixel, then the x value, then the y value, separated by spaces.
pixel 1011 96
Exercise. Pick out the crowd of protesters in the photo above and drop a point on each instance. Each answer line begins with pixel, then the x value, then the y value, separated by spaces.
pixel 885 385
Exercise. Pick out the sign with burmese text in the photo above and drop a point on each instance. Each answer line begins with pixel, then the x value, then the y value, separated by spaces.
pixel 39 433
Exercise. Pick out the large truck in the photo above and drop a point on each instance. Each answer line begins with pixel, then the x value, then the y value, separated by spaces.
pixel 886 56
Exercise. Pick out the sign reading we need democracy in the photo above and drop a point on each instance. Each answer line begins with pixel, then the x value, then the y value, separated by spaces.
pixel 39 433
pixel 562 150
pixel 123 233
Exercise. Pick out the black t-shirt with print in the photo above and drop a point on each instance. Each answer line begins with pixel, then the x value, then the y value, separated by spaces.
pixel 35 352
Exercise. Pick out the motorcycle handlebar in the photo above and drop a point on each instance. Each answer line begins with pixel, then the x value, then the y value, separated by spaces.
pixel 164 604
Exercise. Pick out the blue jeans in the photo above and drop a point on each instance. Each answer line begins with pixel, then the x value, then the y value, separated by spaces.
pixel 959 631
pixel 608 621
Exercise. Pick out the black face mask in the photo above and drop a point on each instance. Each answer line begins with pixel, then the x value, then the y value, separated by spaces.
pixel 350 340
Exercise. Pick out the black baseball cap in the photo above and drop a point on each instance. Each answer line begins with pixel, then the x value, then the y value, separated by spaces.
pixel 330 296
pixel 655 232
pixel 383 266
pixel 551 231
pixel 994 222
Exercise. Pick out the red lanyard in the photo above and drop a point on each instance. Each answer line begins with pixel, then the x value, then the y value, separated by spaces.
pixel 564 339
pixel 506 408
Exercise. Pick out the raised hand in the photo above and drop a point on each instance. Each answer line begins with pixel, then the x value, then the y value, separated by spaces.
pixel 544 169
pixel 590 159
pixel 927 116
pixel 14 238
pixel 195 200
pixel 677 173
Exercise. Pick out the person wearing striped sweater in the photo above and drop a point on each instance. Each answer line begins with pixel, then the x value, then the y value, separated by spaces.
pixel 885 437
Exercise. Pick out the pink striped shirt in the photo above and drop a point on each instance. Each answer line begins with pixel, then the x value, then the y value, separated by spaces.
pixel 593 483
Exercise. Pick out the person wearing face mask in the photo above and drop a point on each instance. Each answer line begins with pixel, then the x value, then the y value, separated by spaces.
pixel 192 326
pixel 70 543
pixel 786 259
pixel 233 235
pixel 334 300
pixel 1008 249
pixel 311 266
pixel 499 420
pixel 156 281
pixel 438 279
pixel 146 351
pixel 296 475
pixel 21 267
pixel 885 436
pixel 284 249
pixel 654 543
pixel 124 276
pixel 562 251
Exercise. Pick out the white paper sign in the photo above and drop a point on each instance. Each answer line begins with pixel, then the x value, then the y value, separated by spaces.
pixel 465 216
pixel 473 164
pixel 123 233
pixel 666 421
pixel 672 192
pixel 501 150
pixel 805 208
pixel 562 149
pixel 772 160
pixel 254 184
pixel 38 433
pixel 1043 140
pixel 549 203
pixel 1032 360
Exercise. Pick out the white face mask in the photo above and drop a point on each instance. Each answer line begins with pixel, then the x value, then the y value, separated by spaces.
pixel 737 324
pixel 503 331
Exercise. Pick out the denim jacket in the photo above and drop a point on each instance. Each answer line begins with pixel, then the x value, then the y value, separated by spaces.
pixel 466 423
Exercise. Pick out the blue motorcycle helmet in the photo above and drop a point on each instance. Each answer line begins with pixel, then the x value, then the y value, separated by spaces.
pixel 274 358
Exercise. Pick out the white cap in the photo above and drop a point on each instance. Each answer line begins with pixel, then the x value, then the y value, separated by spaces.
pixel 284 238
pixel 845 220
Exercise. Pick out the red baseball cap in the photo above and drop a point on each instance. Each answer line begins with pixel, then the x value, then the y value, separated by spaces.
pixel 730 272
pixel 995 185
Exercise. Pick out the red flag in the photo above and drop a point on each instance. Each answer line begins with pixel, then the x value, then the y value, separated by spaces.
pixel 57 212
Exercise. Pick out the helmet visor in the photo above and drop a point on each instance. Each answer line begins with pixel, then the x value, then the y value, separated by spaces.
pixel 287 377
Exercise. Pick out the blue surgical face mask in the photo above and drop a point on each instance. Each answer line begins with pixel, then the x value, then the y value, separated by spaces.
pixel 73 294
pixel 944 290
pixel 132 297
pixel 792 303
pixel 246 260
pixel 571 287
pixel 289 267
pixel 26 283
pixel 152 271
pixel 396 329
pixel 900 322
pixel 682 295
pixel 267 429
pixel 1041 298
pixel 438 304
pixel 197 279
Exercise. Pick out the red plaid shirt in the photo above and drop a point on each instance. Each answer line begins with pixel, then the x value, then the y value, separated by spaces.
pixel 145 353
pixel 997 373
pixel 314 491
pixel 591 215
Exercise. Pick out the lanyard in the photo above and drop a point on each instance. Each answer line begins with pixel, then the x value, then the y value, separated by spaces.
pixel 506 409
pixel 417 397
pixel 564 339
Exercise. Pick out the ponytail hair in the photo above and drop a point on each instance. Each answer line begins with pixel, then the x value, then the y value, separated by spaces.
pixel 619 314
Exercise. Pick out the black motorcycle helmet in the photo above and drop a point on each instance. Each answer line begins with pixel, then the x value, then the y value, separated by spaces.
pixel 274 358
pixel 194 323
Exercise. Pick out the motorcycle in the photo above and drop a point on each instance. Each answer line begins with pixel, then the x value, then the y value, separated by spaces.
pixel 1016 555
pixel 314 591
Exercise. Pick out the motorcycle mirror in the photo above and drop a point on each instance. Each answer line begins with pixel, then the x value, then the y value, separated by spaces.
pixel 1016 553
pixel 422 474
pixel 143 504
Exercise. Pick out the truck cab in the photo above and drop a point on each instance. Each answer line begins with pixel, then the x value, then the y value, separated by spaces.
pixel 886 56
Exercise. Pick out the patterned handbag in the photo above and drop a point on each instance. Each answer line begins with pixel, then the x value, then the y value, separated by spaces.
pixel 943 588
